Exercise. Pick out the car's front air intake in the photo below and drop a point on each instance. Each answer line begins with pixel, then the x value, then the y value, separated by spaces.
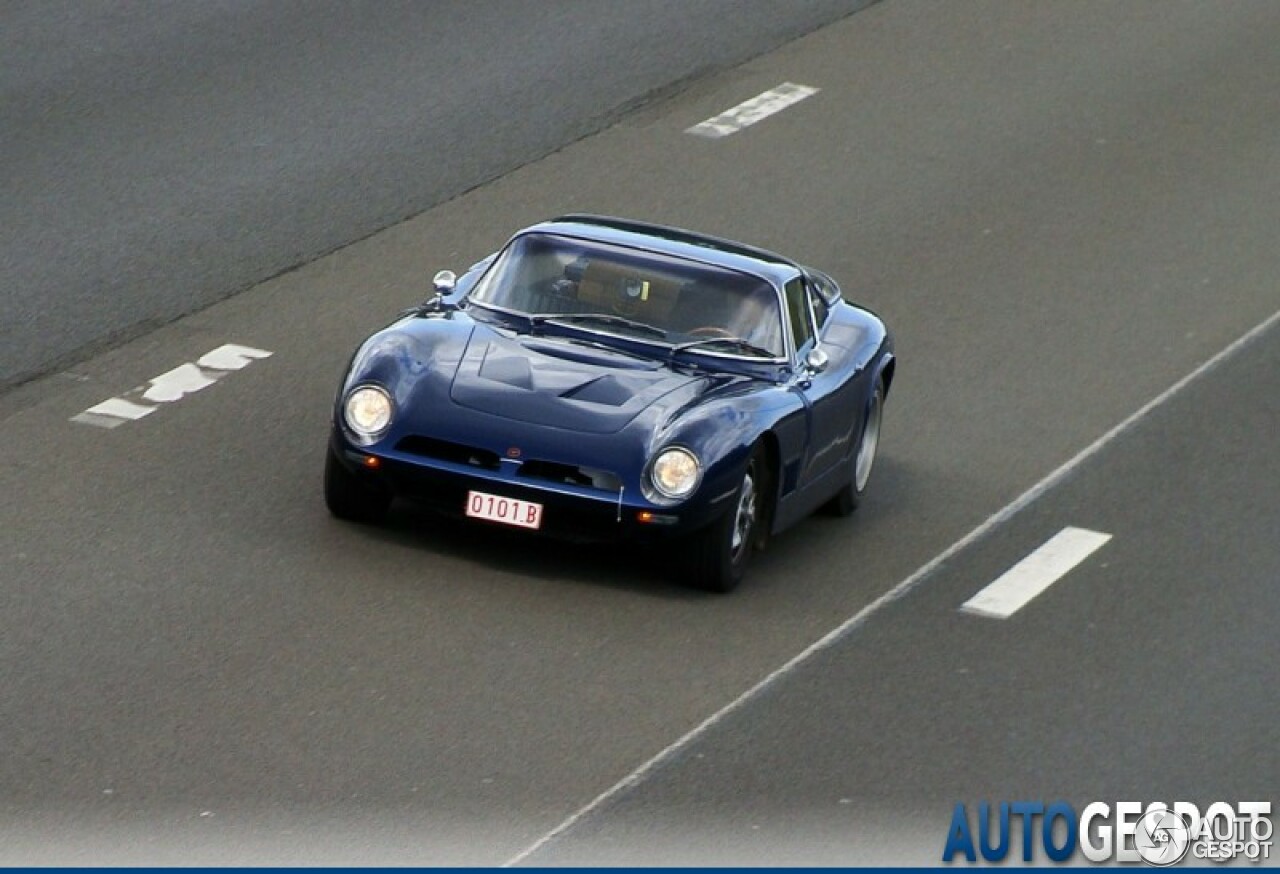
pixel 458 453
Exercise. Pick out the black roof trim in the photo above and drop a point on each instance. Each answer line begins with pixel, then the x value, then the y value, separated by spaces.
pixel 679 235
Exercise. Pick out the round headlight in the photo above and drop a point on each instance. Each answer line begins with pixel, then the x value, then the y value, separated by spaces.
pixel 675 473
pixel 368 411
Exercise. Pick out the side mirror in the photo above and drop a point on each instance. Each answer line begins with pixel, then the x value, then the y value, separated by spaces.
pixel 444 281
pixel 816 360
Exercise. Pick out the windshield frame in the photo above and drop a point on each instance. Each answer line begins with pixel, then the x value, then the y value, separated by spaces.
pixel 540 320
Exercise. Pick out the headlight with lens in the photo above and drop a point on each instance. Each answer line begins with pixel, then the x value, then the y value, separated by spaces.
pixel 368 412
pixel 675 473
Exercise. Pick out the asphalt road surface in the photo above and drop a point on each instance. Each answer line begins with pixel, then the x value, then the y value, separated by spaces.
pixel 1063 210
pixel 158 157
pixel 1144 675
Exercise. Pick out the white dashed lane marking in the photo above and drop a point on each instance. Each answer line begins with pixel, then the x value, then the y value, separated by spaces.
pixel 171 386
pixel 751 111
pixel 1013 589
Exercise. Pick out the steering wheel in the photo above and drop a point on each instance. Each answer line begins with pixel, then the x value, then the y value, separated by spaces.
pixel 712 331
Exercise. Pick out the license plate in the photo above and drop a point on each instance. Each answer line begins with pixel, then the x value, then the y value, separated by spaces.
pixel 508 511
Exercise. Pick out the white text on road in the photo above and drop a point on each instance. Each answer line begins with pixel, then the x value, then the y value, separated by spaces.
pixel 171 386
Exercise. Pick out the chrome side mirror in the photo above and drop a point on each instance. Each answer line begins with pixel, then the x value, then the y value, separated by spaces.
pixel 444 281
pixel 816 360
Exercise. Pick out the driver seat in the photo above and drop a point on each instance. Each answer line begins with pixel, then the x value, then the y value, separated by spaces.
pixel 700 306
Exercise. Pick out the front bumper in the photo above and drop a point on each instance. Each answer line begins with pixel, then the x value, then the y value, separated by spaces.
pixel 575 513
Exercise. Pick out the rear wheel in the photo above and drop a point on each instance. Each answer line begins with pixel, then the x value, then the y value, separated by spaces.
pixel 848 498
pixel 717 556
pixel 351 497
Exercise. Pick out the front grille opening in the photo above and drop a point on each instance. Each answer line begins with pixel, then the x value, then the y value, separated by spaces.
pixel 571 474
pixel 444 450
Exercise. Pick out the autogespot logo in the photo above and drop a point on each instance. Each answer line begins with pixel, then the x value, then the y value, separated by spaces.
pixel 1157 834
pixel 1162 837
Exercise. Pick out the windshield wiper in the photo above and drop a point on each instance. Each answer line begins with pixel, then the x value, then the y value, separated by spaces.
pixel 491 309
pixel 734 342
pixel 598 318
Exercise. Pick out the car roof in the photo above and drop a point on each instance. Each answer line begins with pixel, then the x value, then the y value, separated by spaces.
pixel 674 241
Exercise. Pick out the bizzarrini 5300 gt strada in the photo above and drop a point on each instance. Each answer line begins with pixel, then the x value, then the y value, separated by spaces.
pixel 603 379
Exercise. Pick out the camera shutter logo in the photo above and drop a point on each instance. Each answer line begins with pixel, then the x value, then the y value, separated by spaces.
pixel 1162 837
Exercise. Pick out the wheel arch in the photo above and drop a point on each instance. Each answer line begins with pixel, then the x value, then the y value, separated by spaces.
pixel 886 372
pixel 768 441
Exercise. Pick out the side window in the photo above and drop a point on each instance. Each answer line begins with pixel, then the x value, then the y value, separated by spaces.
pixel 826 287
pixel 820 306
pixel 798 312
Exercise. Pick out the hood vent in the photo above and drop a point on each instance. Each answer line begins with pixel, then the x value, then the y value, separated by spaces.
pixel 610 390
pixel 508 369
pixel 501 376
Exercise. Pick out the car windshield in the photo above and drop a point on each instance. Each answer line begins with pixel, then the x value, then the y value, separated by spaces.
pixel 617 290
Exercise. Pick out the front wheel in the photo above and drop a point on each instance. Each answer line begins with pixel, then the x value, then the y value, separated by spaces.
pixel 717 556
pixel 850 495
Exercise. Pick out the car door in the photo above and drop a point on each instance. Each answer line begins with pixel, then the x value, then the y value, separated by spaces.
pixel 824 389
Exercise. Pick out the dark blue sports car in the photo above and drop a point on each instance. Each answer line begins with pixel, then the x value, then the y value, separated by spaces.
pixel 606 379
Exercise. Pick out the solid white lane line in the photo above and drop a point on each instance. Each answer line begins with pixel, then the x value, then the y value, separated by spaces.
pixel 751 111
pixel 1013 589
pixel 858 619
pixel 171 386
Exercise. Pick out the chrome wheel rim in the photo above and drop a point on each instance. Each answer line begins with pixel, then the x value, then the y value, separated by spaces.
pixel 744 518
pixel 867 448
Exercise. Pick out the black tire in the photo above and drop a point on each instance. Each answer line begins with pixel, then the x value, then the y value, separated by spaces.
pixel 716 558
pixel 351 497
pixel 850 495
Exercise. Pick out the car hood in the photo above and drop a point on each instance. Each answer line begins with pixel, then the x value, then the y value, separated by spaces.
pixel 562 382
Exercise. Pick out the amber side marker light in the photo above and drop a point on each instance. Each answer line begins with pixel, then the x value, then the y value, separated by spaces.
pixel 646 517
pixel 372 462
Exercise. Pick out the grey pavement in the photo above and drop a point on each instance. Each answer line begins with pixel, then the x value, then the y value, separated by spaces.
pixel 1061 209
pixel 157 157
